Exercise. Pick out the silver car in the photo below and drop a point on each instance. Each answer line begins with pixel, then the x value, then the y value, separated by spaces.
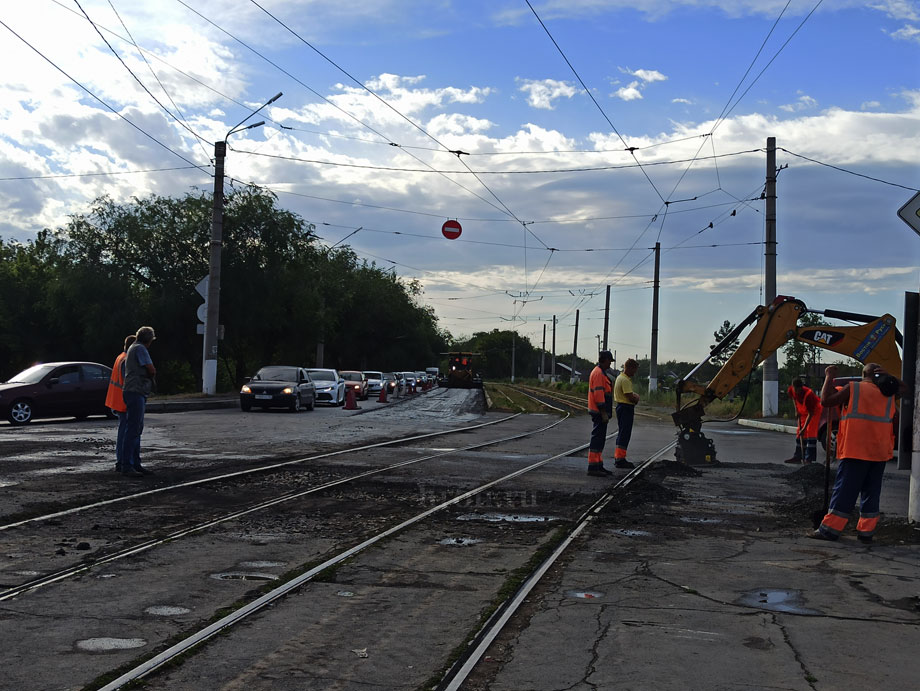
pixel 330 387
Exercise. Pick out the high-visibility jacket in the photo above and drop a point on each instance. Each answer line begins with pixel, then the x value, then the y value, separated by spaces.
pixel 866 432
pixel 599 392
pixel 810 403
pixel 114 397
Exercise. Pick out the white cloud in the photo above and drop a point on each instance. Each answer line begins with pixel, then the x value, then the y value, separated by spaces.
pixel 543 92
pixel 648 76
pixel 629 93
pixel 686 101
pixel 869 105
pixel 803 102
pixel 908 32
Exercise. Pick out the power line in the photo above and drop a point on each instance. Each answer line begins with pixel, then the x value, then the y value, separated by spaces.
pixel 849 172
pixel 87 90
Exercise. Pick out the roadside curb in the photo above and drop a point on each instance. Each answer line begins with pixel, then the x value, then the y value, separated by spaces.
pixel 772 426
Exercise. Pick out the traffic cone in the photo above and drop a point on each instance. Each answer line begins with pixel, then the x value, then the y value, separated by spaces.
pixel 351 400
pixel 382 398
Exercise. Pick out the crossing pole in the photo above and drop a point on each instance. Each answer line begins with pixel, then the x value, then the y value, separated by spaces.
pixel 543 353
pixel 552 376
pixel 574 351
pixel 606 316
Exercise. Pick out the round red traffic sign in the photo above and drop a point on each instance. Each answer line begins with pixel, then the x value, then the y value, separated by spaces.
pixel 451 230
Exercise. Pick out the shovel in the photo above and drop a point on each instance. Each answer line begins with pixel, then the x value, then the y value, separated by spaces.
pixel 818 516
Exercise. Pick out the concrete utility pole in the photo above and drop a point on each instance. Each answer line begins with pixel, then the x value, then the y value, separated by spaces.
pixel 770 367
pixel 212 316
pixel 543 354
pixel 552 376
pixel 909 425
pixel 653 361
pixel 574 351
pixel 513 350
pixel 606 316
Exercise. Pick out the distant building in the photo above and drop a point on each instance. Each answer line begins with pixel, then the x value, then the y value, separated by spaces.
pixel 564 373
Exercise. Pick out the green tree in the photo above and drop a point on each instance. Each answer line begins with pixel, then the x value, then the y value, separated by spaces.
pixel 720 335
pixel 799 354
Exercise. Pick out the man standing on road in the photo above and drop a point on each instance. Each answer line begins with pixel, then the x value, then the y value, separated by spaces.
pixel 808 411
pixel 626 400
pixel 865 442
pixel 115 400
pixel 139 383
pixel 600 406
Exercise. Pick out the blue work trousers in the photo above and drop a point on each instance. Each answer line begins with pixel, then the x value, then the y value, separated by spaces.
pixel 136 403
pixel 625 414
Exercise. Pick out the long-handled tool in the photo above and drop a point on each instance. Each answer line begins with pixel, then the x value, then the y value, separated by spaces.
pixel 818 516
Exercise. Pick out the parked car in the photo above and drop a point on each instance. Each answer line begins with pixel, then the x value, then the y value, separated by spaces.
pixel 330 387
pixel 56 389
pixel 279 386
pixel 356 381
pixel 391 381
pixel 374 382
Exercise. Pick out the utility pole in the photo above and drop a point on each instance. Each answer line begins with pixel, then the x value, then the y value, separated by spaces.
pixel 606 316
pixel 212 315
pixel 552 376
pixel 653 361
pixel 543 353
pixel 770 368
pixel 513 350
pixel 574 351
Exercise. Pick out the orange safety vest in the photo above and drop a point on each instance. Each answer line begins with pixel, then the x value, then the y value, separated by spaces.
pixel 599 390
pixel 866 432
pixel 114 397
pixel 809 399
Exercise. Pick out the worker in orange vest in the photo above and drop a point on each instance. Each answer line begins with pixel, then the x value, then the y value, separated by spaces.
pixel 115 400
pixel 865 442
pixel 808 411
pixel 600 407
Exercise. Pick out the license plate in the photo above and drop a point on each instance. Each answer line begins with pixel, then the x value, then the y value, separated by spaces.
pixel 263 397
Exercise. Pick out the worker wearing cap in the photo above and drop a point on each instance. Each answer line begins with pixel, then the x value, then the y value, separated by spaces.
pixel 626 399
pixel 115 400
pixel 865 441
pixel 808 410
pixel 600 407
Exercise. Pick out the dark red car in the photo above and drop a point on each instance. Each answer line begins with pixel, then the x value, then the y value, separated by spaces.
pixel 356 381
pixel 56 389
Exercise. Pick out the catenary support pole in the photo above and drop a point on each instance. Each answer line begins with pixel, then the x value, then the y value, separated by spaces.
pixel 913 502
pixel 543 354
pixel 770 367
pixel 209 364
pixel 606 316
pixel 653 361
pixel 552 376
pixel 574 351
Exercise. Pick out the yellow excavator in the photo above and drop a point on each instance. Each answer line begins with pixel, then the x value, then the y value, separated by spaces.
pixel 875 340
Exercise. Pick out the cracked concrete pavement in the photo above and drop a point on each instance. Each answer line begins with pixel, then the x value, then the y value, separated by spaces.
pixel 713 585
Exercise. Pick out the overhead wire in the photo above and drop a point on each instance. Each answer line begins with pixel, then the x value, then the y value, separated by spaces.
pixel 100 100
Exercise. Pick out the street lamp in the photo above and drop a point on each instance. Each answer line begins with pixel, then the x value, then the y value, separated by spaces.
pixel 212 315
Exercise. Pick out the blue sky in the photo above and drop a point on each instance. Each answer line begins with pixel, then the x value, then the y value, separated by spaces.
pixel 840 87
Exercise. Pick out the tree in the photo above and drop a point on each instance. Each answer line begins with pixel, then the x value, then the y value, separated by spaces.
pixel 720 335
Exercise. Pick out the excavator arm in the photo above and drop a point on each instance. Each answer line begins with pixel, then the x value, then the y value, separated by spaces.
pixel 775 325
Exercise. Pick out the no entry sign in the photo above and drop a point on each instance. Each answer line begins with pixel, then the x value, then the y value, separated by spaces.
pixel 451 230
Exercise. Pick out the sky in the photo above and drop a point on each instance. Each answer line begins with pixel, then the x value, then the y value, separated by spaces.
pixel 567 137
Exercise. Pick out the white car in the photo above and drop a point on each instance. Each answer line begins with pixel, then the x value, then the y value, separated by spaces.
pixel 330 387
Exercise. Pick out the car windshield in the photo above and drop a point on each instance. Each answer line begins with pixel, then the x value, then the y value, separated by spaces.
pixel 33 375
pixel 389 376
pixel 352 376
pixel 374 375
pixel 322 374
pixel 277 374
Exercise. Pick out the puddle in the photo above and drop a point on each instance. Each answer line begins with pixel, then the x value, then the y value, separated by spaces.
pixel 690 519
pixel 103 645
pixel 25 574
pixel 241 576
pixel 345 593
pixel 8 483
pixel 107 575
pixel 631 533
pixel 777 600
pixel 166 610
pixel 584 594
pixel 461 541
pixel 261 564
pixel 737 432
pixel 499 517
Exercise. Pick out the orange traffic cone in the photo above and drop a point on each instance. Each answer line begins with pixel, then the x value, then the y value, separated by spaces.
pixel 383 394
pixel 351 400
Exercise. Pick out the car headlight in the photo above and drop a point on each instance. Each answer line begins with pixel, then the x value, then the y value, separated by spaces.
pixel 245 389
pixel 287 390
